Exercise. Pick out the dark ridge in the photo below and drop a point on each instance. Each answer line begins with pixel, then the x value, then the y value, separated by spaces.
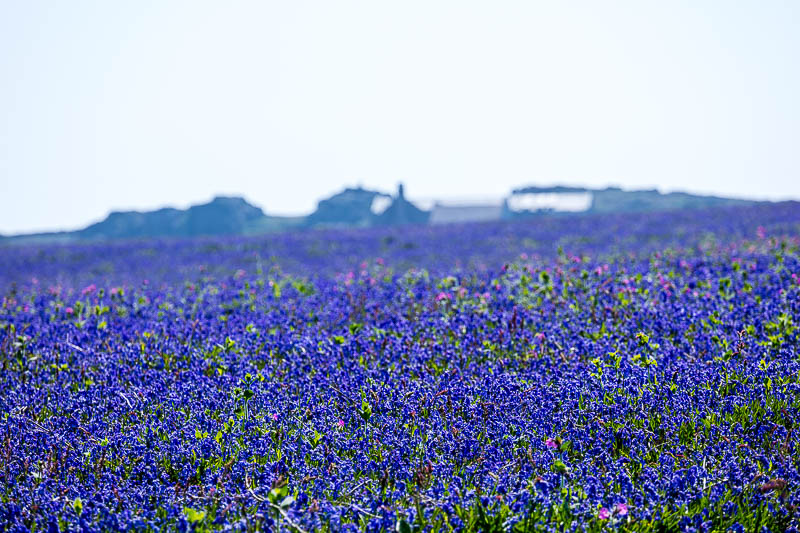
pixel 352 208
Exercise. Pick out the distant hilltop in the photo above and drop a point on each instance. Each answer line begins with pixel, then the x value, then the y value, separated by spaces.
pixel 360 208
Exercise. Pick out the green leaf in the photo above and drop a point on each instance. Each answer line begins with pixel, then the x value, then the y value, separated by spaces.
pixel 278 493
pixel 193 515
pixel 366 410
pixel 77 505
pixel 559 467
pixel 402 526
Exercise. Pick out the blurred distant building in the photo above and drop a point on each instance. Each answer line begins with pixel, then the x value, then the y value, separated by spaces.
pixel 532 202
pixel 399 211
pixel 353 207
pixel 454 213
pixel 519 203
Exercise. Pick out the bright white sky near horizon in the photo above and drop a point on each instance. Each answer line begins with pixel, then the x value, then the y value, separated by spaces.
pixel 137 105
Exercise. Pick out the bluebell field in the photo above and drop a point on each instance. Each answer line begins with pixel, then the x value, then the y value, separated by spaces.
pixel 631 372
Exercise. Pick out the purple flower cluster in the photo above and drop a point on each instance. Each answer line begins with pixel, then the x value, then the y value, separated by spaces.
pixel 637 372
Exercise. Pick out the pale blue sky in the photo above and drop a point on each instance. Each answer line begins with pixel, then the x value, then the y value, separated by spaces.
pixel 111 105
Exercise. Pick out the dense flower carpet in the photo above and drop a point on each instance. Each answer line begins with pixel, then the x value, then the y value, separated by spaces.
pixel 635 372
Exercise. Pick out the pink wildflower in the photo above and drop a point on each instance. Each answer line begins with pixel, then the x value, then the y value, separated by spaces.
pixel 88 290
pixel 340 423
pixel 550 443
pixel 603 514
pixel 441 296
pixel 621 509
pixel 69 310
